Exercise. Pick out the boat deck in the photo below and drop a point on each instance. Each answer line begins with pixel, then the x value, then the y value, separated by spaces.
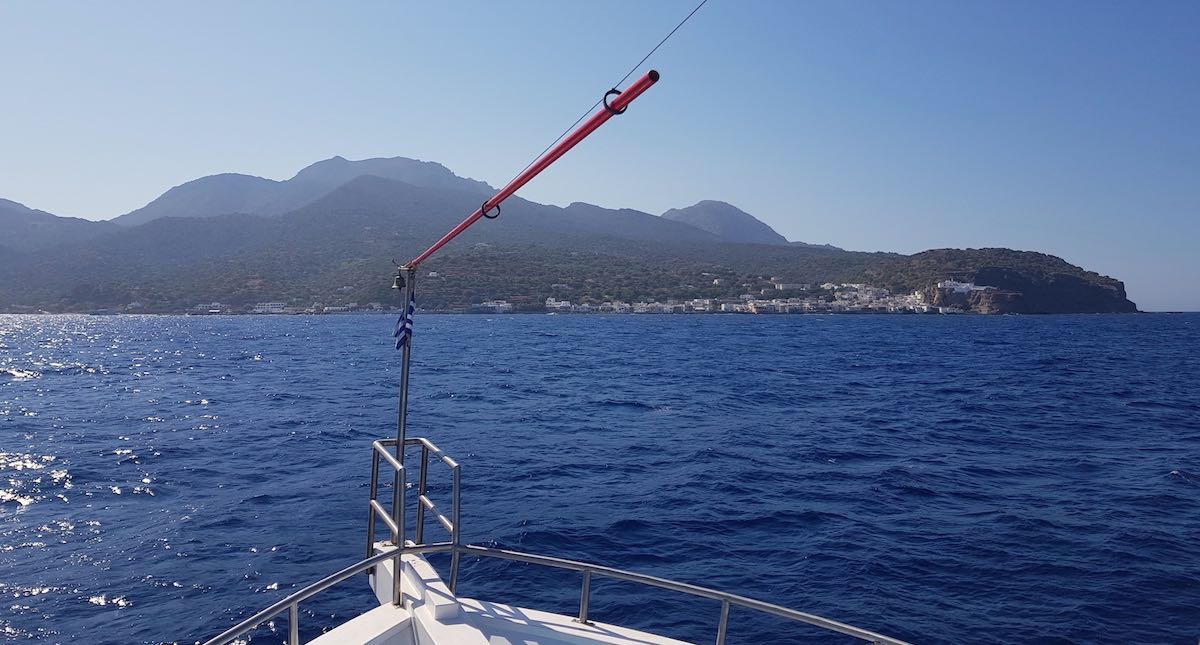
pixel 432 615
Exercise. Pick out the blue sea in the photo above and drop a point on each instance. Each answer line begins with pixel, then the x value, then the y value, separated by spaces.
pixel 941 479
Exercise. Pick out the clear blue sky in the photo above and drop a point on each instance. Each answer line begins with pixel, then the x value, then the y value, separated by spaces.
pixel 1066 127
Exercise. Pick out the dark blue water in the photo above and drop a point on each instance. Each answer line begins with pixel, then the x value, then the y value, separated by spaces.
pixel 939 479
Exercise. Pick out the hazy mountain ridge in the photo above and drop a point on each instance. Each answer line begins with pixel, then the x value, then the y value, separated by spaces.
pixel 221 194
pixel 339 245
pixel 27 229
pixel 230 193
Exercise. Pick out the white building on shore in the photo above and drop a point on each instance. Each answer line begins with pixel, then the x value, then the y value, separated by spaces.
pixel 270 308
pixel 556 305
pixel 961 287
pixel 497 306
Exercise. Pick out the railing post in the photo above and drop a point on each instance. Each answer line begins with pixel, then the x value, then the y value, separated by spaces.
pixel 398 571
pixel 584 596
pixel 398 506
pixel 398 498
pixel 456 538
pixel 402 519
pixel 371 511
pixel 422 490
pixel 294 624
pixel 723 626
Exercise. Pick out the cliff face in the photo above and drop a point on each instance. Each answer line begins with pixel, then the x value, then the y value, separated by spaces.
pixel 1059 292
pixel 989 301
pixel 995 301
pixel 1015 294
pixel 1025 282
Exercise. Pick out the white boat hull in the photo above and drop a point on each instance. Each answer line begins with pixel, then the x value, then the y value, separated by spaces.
pixel 432 615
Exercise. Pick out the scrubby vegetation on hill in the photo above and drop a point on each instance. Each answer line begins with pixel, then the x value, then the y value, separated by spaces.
pixel 339 247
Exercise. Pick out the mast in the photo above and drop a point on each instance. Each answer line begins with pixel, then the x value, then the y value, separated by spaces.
pixel 406 282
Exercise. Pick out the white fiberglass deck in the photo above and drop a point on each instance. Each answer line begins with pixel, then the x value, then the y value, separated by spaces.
pixel 431 615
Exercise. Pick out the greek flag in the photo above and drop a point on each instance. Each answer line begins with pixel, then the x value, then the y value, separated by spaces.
pixel 404 326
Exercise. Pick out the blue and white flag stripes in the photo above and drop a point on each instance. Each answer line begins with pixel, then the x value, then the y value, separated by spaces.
pixel 404 326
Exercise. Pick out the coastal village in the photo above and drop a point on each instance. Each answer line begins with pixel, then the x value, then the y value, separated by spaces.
pixel 827 298
pixel 848 298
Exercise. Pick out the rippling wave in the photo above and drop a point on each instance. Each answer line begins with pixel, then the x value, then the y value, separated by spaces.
pixel 940 479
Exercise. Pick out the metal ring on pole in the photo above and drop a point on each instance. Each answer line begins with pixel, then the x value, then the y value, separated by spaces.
pixel 613 92
pixel 484 208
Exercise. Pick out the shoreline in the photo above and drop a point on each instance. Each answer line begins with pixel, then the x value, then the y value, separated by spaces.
pixel 452 312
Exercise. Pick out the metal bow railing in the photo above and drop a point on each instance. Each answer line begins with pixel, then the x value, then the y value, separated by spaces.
pixel 394 518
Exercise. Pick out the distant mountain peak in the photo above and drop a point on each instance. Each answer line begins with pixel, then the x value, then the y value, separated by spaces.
pixel 427 174
pixel 229 193
pixel 726 221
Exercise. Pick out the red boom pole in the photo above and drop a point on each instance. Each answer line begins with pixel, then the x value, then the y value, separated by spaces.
pixel 616 107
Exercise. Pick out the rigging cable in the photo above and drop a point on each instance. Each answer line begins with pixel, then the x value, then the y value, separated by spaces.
pixel 561 145
pixel 615 85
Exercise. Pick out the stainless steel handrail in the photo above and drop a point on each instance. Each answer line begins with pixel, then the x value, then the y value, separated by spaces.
pixel 396 523
pixel 451 524
pixel 291 603
pixel 727 599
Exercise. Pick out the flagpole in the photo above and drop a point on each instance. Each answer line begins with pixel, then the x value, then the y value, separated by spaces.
pixel 406 275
